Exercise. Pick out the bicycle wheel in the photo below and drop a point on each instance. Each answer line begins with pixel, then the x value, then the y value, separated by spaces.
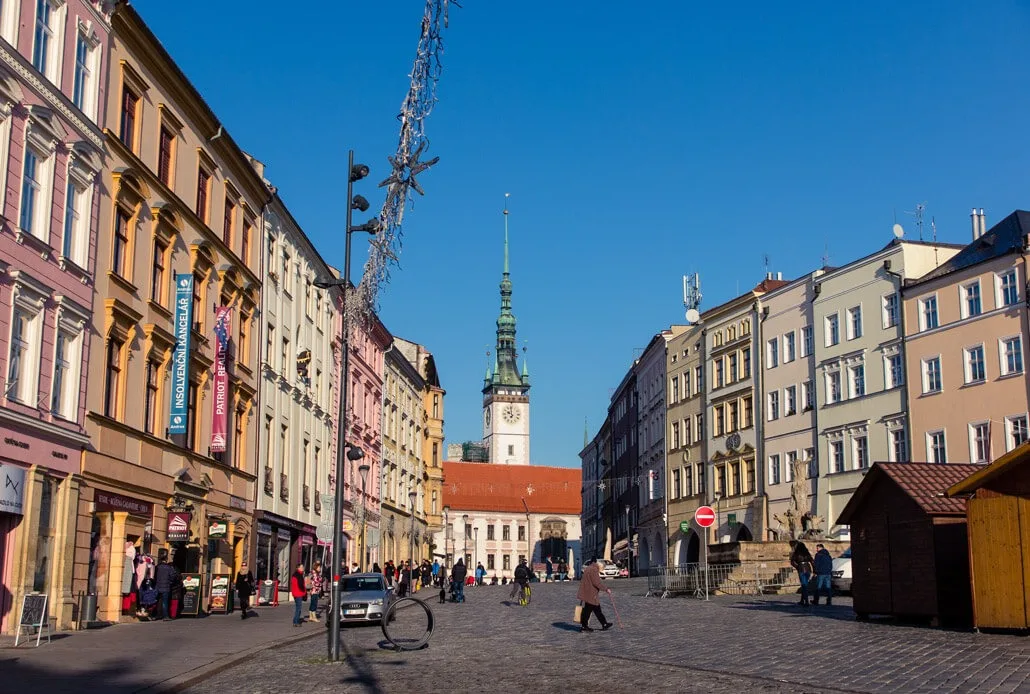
pixel 406 626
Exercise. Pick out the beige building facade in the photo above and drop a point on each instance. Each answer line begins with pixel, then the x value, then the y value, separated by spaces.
pixel 966 334
pixel 179 198
pixel 685 462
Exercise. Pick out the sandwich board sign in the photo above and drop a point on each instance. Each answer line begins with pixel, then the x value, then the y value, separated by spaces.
pixel 34 615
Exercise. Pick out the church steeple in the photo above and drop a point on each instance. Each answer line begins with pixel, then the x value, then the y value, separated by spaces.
pixel 506 370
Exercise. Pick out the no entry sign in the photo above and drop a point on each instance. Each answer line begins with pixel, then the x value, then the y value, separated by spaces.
pixel 705 516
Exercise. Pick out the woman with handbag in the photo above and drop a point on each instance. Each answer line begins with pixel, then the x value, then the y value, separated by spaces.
pixel 315 585
pixel 298 591
pixel 244 588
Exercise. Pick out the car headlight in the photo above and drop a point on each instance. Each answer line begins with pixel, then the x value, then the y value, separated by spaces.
pixel 376 602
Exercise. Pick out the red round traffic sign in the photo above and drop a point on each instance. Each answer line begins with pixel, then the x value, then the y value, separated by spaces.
pixel 705 516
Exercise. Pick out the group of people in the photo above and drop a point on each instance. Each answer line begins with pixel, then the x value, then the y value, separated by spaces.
pixel 819 567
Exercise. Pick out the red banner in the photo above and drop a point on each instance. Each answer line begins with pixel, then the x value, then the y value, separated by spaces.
pixel 220 415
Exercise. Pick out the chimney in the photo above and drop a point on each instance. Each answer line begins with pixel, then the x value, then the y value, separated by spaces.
pixel 983 222
pixel 779 275
pixel 768 275
pixel 976 224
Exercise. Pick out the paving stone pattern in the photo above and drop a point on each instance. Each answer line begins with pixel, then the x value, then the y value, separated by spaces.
pixel 730 644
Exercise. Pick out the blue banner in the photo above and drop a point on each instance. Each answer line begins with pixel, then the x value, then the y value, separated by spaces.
pixel 181 358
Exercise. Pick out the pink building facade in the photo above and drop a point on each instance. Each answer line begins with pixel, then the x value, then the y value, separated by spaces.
pixel 53 56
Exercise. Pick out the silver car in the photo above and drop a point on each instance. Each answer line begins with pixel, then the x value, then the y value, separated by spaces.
pixel 364 597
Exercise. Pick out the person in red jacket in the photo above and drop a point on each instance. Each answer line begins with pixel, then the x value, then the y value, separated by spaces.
pixel 299 591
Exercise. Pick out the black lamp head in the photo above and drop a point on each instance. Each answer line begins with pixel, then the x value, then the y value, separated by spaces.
pixel 358 172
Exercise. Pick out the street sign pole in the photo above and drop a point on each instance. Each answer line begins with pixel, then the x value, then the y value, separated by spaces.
pixel 704 516
pixel 706 563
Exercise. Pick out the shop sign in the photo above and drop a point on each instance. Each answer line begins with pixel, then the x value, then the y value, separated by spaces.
pixel 220 402
pixel 238 503
pixel 11 495
pixel 306 540
pixel 109 501
pixel 220 593
pixel 181 357
pixel 178 526
pixel 190 594
pixel 217 529
pixel 264 529
pixel 284 535
pixel 348 525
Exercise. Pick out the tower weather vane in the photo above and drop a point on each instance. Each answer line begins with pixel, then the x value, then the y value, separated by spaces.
pixel 406 163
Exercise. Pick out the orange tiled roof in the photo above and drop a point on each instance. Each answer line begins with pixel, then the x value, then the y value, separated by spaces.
pixel 491 487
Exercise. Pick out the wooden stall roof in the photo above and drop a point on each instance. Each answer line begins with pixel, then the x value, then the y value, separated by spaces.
pixel 985 474
pixel 924 483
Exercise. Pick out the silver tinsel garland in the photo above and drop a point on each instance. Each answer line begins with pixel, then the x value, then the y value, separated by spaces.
pixel 405 163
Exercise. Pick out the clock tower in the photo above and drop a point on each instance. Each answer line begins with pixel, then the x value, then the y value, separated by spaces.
pixel 505 388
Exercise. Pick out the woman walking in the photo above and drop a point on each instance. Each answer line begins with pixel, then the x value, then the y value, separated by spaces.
pixel 298 589
pixel 244 588
pixel 801 560
pixel 590 587
pixel 315 586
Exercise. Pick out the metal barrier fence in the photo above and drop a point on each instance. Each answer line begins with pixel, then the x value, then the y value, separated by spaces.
pixel 740 578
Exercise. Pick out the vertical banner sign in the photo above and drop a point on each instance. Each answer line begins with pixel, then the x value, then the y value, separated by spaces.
pixel 181 358
pixel 220 415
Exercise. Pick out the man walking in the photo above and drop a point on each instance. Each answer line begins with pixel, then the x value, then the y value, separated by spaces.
pixel 165 578
pixel 436 573
pixel 823 575
pixel 590 587
pixel 521 578
pixel 480 573
pixel 458 574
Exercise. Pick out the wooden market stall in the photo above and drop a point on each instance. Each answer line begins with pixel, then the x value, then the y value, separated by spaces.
pixel 909 554
pixel 998 513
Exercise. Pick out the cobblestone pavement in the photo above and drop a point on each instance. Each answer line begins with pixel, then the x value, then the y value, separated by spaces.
pixel 730 644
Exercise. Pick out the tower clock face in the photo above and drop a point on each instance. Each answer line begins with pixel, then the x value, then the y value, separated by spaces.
pixel 487 414
pixel 511 414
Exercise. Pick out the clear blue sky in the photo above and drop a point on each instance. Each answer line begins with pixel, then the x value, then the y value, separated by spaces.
pixel 639 142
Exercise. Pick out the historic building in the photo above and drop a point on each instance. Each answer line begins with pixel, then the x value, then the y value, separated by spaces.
pixel 173 376
pixel 862 414
pixel 593 462
pixel 622 507
pixel 299 329
pixel 684 443
pixel 965 329
pixel 53 65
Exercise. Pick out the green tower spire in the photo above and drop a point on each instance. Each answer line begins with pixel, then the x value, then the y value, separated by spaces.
pixel 506 371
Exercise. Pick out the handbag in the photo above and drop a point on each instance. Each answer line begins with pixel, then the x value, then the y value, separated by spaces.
pixel 577 614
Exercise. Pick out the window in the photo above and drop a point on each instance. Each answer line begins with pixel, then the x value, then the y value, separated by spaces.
pixel 733 416
pixel 749 416
pixel 1008 288
pixel 699 427
pixel 490 532
pixel 833 393
pixel 150 400
pixel 198 302
pixel 899 446
pixel 774 405
pixel 698 382
pixel 675 389
pixel 675 484
pixel 928 313
pixel 75 245
pixel 675 435
pixel 789 347
pixel 192 440
pixel 507 562
pixel 749 482
pixel 807 341
pixel 813 463
pixel 832 330
pixel 165 153
pixel 936 447
pixel 243 350
pixel 860 452
pixel 245 257
pixel 980 442
pixel 974 362
pixel 894 371
pixel 856 380
pixel 932 375
pixel 789 465
pixel 228 221
pixel 284 357
pixel 719 421
pixel 790 400
pixel 120 245
pixel 1016 430
pixel 688 480
pixel 774 469
pixel 806 395
pixel 113 385
pixel 735 478
pixel 64 391
pixel 890 310
pixel 203 192
pixel 269 344
pixel 733 374
pixel 745 356
pixel 35 199
pixel 46 51
pixel 83 78
pixel 157 273
pixel 971 299
pixel 130 107
pixel 837 455
pixel 506 532
pixel 772 353
pixel 720 479
pixel 522 533
pixel 855 323
pixel 686 384
pixel 1011 356
pixel 717 366
pixel 490 562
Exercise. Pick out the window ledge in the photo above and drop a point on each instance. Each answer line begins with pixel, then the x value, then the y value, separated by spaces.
pixel 121 281
pixel 69 265
pixel 971 384
pixel 1014 374
pixel 931 393
pixel 24 238
pixel 163 310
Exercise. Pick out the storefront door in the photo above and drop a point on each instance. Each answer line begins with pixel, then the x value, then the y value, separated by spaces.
pixel 7 523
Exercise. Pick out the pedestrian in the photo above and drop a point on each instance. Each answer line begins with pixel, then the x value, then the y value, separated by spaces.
pixel 436 572
pixel 427 574
pixel 166 577
pixel 442 577
pixel 801 560
pixel 244 588
pixel 548 569
pixel 375 568
pixel 458 574
pixel 354 568
pixel 315 586
pixel 480 574
pixel 563 570
pixel 388 571
pixel 823 565
pixel 299 591
pixel 590 587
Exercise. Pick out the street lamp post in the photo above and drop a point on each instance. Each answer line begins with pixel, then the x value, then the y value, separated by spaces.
pixel 412 496
pixel 475 546
pixel 465 545
pixel 354 202
pixel 363 470
pixel 629 550
pixel 446 536
pixel 718 520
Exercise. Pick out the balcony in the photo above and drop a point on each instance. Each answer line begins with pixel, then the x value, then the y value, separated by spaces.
pixel 306 498
pixel 284 487
pixel 269 487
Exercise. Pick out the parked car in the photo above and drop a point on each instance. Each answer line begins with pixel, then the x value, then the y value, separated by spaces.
pixel 364 597
pixel 609 570
pixel 842 572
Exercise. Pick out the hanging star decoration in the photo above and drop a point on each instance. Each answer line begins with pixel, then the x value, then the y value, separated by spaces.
pixel 601 486
pixel 404 171
pixel 530 490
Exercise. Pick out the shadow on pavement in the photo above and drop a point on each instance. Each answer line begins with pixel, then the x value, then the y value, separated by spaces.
pixel 843 613
pixel 19 676
pixel 362 670
pixel 566 626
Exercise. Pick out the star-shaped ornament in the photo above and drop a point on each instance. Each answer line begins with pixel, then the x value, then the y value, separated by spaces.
pixel 601 486
pixel 405 170
pixel 530 490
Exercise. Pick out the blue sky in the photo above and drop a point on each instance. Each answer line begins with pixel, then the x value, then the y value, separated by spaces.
pixel 639 142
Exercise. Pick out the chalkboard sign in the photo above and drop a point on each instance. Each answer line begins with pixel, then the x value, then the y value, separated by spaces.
pixel 220 593
pixel 190 594
pixel 268 593
pixel 34 616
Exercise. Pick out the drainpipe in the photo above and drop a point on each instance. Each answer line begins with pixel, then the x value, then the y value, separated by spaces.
pixel 904 360
pixel 758 412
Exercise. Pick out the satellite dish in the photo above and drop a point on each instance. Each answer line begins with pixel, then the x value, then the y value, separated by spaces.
pixel 898 231
pixel 692 315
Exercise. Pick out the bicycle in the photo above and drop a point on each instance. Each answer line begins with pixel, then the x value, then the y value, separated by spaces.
pixel 525 595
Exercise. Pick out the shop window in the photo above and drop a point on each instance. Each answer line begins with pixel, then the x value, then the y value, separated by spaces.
pixel 45 539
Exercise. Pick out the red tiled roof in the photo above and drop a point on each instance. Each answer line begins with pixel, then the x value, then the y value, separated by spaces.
pixel 924 483
pixel 492 487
